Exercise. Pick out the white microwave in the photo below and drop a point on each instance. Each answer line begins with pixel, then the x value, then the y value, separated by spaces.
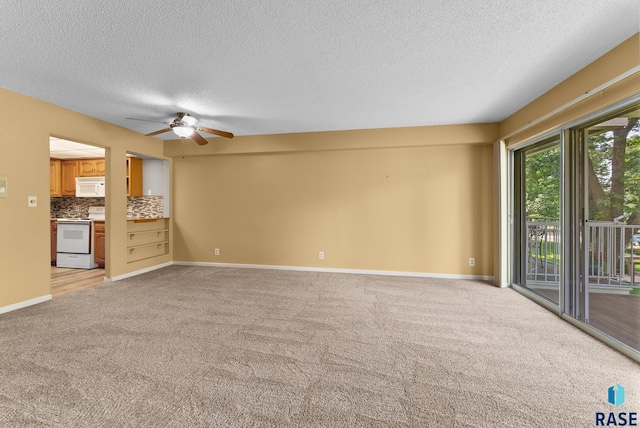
pixel 90 187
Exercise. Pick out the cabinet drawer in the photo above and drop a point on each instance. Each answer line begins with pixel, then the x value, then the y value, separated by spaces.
pixel 68 260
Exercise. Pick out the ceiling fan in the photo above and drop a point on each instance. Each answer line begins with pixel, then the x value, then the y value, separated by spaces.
pixel 184 126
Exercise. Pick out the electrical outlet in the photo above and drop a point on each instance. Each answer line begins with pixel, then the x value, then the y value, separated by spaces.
pixel 472 261
pixel 217 251
pixel 321 255
pixel 3 187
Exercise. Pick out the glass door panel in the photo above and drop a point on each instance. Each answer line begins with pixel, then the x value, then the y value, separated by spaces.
pixel 537 186
pixel 612 230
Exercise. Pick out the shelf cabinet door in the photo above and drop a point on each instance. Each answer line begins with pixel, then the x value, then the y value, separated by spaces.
pixel 91 168
pixel 68 177
pixel 85 168
pixel 100 166
pixel 134 177
pixel 54 177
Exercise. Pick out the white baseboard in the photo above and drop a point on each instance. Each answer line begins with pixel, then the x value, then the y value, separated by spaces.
pixel 25 304
pixel 139 272
pixel 333 270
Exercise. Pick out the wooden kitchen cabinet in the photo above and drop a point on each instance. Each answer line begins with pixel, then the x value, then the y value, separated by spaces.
pixel 98 243
pixel 134 177
pixel 54 242
pixel 54 177
pixel 91 168
pixel 68 170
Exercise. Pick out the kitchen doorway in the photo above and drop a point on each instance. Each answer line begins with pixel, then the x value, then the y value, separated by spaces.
pixel 77 204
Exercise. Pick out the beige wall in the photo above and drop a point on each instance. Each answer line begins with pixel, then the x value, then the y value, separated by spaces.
pixel 412 199
pixel 419 200
pixel 24 159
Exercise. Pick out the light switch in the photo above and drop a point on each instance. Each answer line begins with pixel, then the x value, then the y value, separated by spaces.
pixel 3 187
pixel 33 201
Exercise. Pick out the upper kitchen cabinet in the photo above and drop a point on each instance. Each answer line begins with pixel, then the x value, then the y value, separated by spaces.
pixel 134 176
pixel 54 177
pixel 91 168
pixel 68 177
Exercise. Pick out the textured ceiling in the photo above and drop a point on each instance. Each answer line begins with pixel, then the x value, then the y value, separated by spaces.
pixel 280 66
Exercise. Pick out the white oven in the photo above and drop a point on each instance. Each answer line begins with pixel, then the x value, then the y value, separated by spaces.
pixel 75 244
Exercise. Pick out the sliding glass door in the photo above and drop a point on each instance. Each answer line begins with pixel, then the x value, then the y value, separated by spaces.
pixel 537 190
pixel 612 228
pixel 576 223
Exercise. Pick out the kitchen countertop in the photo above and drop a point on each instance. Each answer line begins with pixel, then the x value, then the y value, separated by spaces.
pixel 128 219
pixel 142 219
pixel 63 218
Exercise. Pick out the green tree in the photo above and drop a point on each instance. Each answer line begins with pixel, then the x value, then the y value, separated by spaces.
pixel 543 183
pixel 613 173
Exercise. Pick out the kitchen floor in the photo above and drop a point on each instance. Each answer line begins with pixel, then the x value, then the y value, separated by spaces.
pixel 65 281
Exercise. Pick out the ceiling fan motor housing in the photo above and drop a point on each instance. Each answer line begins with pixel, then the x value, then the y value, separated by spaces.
pixel 186 118
pixel 184 125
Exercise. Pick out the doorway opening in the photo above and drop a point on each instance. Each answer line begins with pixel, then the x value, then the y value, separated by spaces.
pixel 78 209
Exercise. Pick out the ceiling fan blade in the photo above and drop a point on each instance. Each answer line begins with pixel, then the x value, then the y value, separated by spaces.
pixel 198 138
pixel 215 132
pixel 162 131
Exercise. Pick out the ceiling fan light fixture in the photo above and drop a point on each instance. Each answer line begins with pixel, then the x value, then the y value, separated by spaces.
pixel 183 131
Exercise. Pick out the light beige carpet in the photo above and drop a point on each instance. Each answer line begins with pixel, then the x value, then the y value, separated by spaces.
pixel 201 346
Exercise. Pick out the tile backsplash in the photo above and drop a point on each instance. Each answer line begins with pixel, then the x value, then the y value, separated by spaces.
pixel 73 207
pixel 137 207
pixel 145 206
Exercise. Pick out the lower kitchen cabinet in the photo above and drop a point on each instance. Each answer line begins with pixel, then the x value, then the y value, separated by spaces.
pixel 98 243
pixel 54 242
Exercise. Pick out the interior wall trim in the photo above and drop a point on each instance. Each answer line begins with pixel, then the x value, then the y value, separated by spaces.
pixel 588 94
pixel 25 304
pixel 138 272
pixel 335 270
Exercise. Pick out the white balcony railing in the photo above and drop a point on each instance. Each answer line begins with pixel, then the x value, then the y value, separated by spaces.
pixel 543 251
pixel 613 257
